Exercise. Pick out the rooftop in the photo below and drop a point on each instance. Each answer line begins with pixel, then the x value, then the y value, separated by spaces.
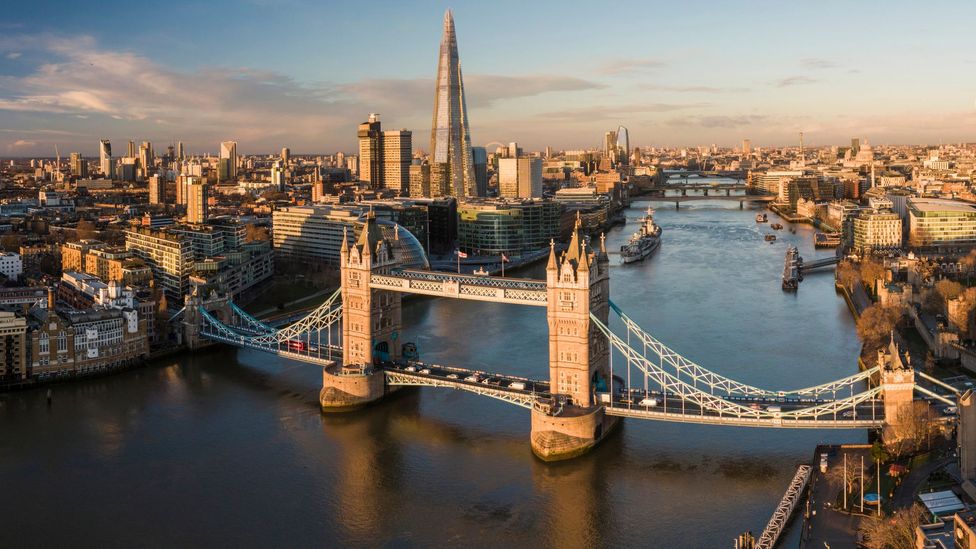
pixel 941 205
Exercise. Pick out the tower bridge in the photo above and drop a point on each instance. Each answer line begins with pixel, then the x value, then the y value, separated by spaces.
pixel 597 373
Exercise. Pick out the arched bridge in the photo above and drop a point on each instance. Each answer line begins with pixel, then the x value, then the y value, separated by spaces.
pixel 603 365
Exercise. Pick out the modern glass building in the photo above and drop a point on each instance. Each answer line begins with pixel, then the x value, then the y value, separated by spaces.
pixel 452 164
pixel 512 227
pixel 937 222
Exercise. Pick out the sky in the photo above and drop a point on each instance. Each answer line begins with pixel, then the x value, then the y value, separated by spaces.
pixel 303 74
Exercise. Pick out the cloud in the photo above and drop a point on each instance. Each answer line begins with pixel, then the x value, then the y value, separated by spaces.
pixel 817 63
pixel 21 144
pixel 13 55
pixel 108 89
pixel 794 81
pixel 603 112
pixel 718 121
pixel 696 89
pixel 622 66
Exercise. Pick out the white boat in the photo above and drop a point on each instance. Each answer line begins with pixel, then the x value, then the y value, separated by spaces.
pixel 644 242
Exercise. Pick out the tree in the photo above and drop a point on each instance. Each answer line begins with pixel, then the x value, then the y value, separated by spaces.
pixel 847 274
pixel 85 230
pixel 876 323
pixel 932 302
pixel 948 289
pixel 878 452
pixel 968 261
pixel 871 271
pixel 10 242
pixel 914 428
pixel 253 232
pixel 847 477
pixel 896 531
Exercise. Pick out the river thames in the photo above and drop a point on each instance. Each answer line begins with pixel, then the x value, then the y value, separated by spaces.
pixel 229 447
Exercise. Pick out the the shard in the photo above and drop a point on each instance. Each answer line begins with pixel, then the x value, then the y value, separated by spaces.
pixel 452 165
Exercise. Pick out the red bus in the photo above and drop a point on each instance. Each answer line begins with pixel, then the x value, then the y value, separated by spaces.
pixel 297 345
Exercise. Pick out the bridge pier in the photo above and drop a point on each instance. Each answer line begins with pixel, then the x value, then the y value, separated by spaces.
pixel 677 205
pixel 345 389
pixel 570 434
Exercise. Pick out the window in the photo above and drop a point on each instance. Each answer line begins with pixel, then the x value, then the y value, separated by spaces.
pixel 45 343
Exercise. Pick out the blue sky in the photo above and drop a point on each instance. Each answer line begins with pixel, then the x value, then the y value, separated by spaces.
pixel 273 73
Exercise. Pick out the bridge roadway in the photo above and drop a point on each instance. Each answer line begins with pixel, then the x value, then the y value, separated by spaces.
pixel 740 198
pixel 866 415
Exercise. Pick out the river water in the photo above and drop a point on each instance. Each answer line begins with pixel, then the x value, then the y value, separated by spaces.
pixel 229 447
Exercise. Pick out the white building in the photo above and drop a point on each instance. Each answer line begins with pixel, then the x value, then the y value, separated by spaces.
pixel 11 265
pixel 520 177
pixel 935 222
pixel 877 230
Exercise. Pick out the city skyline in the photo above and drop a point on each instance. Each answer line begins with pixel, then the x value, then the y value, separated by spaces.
pixel 547 83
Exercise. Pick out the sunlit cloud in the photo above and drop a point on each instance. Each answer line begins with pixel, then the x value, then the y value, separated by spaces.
pixel 625 66
pixel 794 81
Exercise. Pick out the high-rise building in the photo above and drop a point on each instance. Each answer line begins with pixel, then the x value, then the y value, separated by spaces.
pixel 79 167
pixel 146 157
pixel 105 159
pixel 278 177
pixel 450 136
pixel 196 205
pixel 157 190
pixel 285 155
pixel 371 152
pixel 420 180
pixel 520 177
pixel 397 154
pixel 132 149
pixel 180 154
pixel 480 157
pixel 746 146
pixel 228 157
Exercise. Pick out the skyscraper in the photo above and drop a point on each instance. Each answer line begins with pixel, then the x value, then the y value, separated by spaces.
pixel 179 150
pixel 146 157
pixel 450 137
pixel 105 159
pixel 285 155
pixel 371 152
pixel 196 204
pixel 79 167
pixel 520 177
pixel 157 190
pixel 480 156
pixel 397 155
pixel 228 160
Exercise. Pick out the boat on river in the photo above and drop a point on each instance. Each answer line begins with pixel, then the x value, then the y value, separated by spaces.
pixel 644 242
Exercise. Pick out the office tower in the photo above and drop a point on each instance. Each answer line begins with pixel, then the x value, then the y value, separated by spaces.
pixel 180 155
pixel 480 157
pixel 196 205
pixel 340 160
pixel 79 167
pixel 285 155
pixel 420 180
pixel 514 151
pixel 318 190
pixel 228 160
pixel 746 146
pixel 450 137
pixel 278 177
pixel 129 168
pixel 105 159
pixel 520 177
pixel 132 149
pixel 371 152
pixel 181 183
pixel 548 152
pixel 397 153
pixel 622 140
pixel 146 157
pixel 157 190
pixel 610 145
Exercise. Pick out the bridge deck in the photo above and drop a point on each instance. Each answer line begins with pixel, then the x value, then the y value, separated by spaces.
pixel 520 291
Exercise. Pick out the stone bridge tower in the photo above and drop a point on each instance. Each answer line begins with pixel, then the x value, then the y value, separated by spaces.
pixel 577 284
pixel 898 388
pixel 370 322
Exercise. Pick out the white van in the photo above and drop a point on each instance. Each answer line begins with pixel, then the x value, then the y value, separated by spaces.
pixel 823 463
pixel 517 385
pixel 649 401
pixel 774 409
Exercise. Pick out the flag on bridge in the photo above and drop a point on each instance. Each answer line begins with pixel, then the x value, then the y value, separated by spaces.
pixel 505 258
pixel 462 255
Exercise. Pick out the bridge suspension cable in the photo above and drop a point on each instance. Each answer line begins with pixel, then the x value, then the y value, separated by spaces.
pixel 700 376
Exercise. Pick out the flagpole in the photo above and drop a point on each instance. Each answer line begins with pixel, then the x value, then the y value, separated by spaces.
pixel 459 261
pixel 503 265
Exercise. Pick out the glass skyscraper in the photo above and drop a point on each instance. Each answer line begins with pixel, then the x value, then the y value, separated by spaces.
pixel 452 165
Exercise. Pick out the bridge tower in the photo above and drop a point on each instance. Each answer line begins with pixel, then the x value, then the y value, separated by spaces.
pixel 370 323
pixel 577 284
pixel 898 388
